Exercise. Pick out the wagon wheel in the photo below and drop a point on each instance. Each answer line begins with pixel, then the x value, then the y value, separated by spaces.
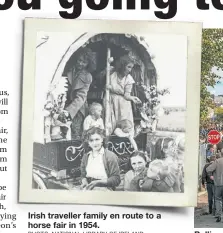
pixel 38 182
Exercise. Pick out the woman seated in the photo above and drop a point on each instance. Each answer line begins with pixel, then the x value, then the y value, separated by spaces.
pixel 99 167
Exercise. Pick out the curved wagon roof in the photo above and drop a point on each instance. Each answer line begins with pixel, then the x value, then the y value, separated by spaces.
pixel 53 51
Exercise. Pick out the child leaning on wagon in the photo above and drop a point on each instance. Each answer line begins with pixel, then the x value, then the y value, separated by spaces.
pixel 94 119
pixel 125 129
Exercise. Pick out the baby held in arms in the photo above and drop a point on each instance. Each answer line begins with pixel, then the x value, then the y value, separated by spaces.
pixel 94 119
pixel 125 129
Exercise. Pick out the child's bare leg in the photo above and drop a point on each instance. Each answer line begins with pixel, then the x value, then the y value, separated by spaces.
pixel 132 141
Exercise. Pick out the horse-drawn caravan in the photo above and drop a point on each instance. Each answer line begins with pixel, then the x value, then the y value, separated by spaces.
pixel 56 154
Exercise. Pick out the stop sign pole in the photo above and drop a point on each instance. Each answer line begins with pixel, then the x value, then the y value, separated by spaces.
pixel 214 137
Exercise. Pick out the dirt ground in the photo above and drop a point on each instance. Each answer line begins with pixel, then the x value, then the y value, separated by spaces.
pixel 202 201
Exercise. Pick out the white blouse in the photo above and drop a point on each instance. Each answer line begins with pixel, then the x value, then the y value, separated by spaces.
pixel 95 166
pixel 89 122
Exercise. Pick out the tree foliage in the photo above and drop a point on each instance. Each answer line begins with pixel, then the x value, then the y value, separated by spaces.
pixel 219 114
pixel 212 56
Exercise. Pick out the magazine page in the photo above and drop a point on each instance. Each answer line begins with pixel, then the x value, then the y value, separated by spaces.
pixel 159 167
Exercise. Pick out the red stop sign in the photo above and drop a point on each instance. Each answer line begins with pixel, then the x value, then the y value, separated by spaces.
pixel 214 137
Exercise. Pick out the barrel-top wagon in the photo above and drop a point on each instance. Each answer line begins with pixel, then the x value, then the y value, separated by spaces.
pixel 56 159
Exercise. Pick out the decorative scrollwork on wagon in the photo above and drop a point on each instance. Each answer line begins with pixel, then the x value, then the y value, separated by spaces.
pixel 120 148
pixel 73 152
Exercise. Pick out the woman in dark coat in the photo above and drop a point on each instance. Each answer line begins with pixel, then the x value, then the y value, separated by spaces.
pixel 79 81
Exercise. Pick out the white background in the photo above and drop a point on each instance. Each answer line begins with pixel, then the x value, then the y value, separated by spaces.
pixel 11 28
pixel 170 60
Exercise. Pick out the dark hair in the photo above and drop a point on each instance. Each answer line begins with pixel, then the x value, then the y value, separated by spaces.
pixel 134 154
pixel 122 62
pixel 161 144
pixel 94 130
pixel 90 58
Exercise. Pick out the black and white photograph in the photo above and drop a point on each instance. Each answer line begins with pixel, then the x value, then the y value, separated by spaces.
pixel 109 113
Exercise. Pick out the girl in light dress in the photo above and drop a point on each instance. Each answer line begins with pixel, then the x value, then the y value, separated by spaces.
pixel 120 87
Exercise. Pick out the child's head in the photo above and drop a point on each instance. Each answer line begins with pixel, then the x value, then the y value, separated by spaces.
pixel 96 109
pixel 157 170
pixel 125 125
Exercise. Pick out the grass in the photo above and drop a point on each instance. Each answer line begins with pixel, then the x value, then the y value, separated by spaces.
pixel 173 121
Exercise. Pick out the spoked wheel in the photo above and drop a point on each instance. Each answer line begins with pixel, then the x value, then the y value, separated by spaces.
pixel 38 182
